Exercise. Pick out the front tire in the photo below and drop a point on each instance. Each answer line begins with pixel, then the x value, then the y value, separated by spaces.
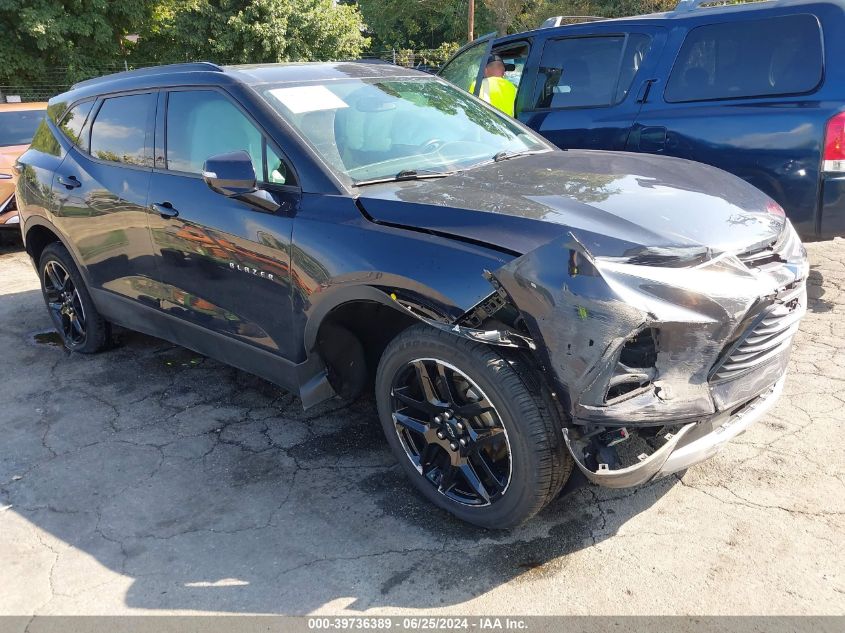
pixel 70 306
pixel 470 428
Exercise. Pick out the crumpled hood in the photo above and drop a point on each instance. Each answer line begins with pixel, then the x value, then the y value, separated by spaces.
pixel 617 204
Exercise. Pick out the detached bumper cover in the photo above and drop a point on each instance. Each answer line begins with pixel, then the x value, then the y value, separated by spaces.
pixel 692 444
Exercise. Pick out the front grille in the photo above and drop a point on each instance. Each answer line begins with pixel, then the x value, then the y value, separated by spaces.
pixel 769 334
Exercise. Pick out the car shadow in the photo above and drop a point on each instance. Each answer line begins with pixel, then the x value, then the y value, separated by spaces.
pixel 816 292
pixel 212 490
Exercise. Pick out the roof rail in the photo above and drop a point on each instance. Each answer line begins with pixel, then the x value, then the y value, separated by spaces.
pixel 151 70
pixel 559 19
pixel 689 5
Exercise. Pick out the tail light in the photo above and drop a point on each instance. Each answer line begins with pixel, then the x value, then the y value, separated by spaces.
pixel 834 144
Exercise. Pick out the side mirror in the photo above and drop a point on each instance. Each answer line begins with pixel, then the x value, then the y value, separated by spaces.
pixel 230 174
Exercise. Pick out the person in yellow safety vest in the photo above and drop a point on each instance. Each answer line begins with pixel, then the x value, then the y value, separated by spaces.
pixel 495 89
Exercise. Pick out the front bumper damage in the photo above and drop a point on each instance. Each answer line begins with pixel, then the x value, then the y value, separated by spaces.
pixel 659 360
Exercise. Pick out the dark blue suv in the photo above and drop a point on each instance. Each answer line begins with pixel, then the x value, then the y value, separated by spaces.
pixel 751 88
pixel 517 311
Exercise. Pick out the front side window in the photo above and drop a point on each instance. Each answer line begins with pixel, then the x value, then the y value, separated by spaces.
pixel 120 129
pixel 18 126
pixel 580 72
pixel 204 123
pixel 752 58
pixel 378 129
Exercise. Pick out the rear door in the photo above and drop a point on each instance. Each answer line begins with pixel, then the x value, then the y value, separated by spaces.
pixel 100 191
pixel 742 94
pixel 223 263
pixel 588 83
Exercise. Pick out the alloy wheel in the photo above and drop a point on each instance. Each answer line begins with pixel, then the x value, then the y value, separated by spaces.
pixel 451 432
pixel 64 303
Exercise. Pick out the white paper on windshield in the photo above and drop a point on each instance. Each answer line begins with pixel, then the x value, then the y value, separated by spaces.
pixel 300 99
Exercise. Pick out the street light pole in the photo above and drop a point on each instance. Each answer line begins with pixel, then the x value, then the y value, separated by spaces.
pixel 471 19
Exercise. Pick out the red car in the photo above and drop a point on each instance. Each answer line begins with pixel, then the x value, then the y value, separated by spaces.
pixel 18 122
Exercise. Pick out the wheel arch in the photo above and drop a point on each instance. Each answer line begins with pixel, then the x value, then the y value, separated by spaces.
pixel 349 333
pixel 39 233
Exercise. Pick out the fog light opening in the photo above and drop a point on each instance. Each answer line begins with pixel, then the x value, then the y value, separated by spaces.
pixel 635 370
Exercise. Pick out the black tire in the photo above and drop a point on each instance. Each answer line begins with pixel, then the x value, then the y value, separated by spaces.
pixel 539 463
pixel 70 300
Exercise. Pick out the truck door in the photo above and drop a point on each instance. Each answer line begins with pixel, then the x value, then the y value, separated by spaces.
pixel 590 82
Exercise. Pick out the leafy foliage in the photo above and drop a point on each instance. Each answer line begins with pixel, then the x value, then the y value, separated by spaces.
pixel 252 31
pixel 415 23
pixel 37 36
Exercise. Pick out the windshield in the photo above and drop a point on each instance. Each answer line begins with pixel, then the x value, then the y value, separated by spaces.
pixel 384 129
pixel 18 127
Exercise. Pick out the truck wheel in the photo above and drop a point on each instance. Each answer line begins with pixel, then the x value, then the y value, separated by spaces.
pixel 470 428
pixel 73 313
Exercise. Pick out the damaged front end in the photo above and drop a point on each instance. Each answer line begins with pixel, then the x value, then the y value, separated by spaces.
pixel 660 356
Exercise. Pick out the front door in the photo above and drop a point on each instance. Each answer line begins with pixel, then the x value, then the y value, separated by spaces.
pixel 223 263
pixel 465 68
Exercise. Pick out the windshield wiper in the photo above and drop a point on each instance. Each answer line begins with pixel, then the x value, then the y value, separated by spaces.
pixel 506 155
pixel 406 174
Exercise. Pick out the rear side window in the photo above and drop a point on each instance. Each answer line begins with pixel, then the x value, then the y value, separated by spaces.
pixel 18 127
pixel 73 122
pixel 753 58
pixel 119 132
pixel 588 71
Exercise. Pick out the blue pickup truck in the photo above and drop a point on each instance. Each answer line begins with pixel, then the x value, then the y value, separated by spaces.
pixel 756 88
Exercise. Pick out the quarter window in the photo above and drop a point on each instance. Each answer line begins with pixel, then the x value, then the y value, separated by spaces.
pixel 758 58
pixel 120 129
pixel 204 123
pixel 588 71
pixel 73 122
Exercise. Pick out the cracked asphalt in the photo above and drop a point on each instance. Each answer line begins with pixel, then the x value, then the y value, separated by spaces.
pixel 147 479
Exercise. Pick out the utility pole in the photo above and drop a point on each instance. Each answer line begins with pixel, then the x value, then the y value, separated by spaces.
pixel 471 20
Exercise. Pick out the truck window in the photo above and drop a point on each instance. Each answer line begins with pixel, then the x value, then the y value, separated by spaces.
pixel 751 58
pixel 588 71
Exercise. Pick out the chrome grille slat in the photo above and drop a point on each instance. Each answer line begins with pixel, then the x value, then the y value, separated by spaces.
pixel 747 351
pixel 771 332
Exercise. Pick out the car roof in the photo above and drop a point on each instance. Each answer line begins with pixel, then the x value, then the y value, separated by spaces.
pixel 208 73
pixel 22 107
pixel 689 9
pixel 249 74
pixel 319 71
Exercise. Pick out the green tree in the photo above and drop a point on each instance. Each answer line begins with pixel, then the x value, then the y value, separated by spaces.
pixel 505 12
pixel 538 10
pixel 251 31
pixel 415 24
pixel 65 40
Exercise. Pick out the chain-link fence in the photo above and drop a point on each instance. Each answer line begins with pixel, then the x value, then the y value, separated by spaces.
pixel 55 82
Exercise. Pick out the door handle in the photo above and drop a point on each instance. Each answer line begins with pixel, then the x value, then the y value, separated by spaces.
pixel 645 89
pixel 70 182
pixel 165 210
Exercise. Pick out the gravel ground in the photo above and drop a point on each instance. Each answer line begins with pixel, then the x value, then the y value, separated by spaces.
pixel 147 479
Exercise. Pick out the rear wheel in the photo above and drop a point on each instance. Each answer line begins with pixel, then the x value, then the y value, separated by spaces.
pixel 470 428
pixel 70 306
